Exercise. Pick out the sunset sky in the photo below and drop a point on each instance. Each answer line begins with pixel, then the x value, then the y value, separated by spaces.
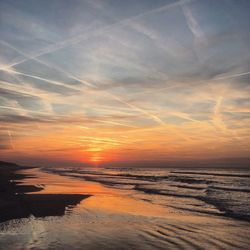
pixel 99 82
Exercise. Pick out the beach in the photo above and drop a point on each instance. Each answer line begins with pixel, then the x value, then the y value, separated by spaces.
pixel 18 200
pixel 71 212
pixel 127 123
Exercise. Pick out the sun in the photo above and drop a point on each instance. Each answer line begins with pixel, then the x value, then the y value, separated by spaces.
pixel 96 159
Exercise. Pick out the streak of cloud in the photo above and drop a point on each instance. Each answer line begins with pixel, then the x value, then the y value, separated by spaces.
pixel 151 80
pixel 11 140
pixel 231 76
pixel 192 23
pixel 103 30
pixel 217 117
pixel 151 116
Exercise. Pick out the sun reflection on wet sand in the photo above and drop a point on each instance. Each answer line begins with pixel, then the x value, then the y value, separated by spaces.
pixel 116 219
pixel 104 198
pixel 124 204
pixel 57 184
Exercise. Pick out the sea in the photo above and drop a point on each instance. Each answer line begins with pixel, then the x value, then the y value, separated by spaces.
pixel 206 191
pixel 138 209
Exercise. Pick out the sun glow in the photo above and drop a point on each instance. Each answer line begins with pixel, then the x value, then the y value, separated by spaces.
pixel 96 159
pixel 115 95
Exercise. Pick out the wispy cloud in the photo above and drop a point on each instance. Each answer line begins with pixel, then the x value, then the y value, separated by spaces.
pixel 156 80
pixel 192 24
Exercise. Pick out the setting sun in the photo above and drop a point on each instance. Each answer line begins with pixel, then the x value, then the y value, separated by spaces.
pixel 96 159
pixel 124 124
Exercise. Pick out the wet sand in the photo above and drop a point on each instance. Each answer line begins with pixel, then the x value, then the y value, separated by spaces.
pixel 16 201
pixel 114 219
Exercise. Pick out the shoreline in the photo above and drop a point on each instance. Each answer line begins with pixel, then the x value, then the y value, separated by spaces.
pixel 17 201
pixel 108 219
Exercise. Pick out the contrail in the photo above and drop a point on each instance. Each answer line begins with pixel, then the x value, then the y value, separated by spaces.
pixel 231 76
pixel 26 110
pixel 11 141
pixel 81 37
pixel 8 86
pixel 116 123
pixel 217 117
pixel 192 23
pixel 43 113
pixel 25 91
pixel 182 116
pixel 103 30
pixel 46 64
pixel 154 117
pixel 75 39
pixel 9 70
pixel 40 78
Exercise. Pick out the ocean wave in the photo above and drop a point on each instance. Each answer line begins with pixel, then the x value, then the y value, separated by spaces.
pixel 222 190
pixel 212 174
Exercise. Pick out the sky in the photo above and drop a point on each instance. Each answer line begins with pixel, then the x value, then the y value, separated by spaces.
pixel 99 82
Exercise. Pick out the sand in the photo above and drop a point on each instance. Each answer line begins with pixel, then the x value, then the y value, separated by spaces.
pixel 16 201
pixel 92 216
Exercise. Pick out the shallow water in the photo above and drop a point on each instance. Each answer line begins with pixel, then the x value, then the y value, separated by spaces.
pixel 93 229
pixel 120 214
pixel 205 191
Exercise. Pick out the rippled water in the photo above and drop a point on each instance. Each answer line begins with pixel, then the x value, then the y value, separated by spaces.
pixel 138 209
pixel 205 191
pixel 87 228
